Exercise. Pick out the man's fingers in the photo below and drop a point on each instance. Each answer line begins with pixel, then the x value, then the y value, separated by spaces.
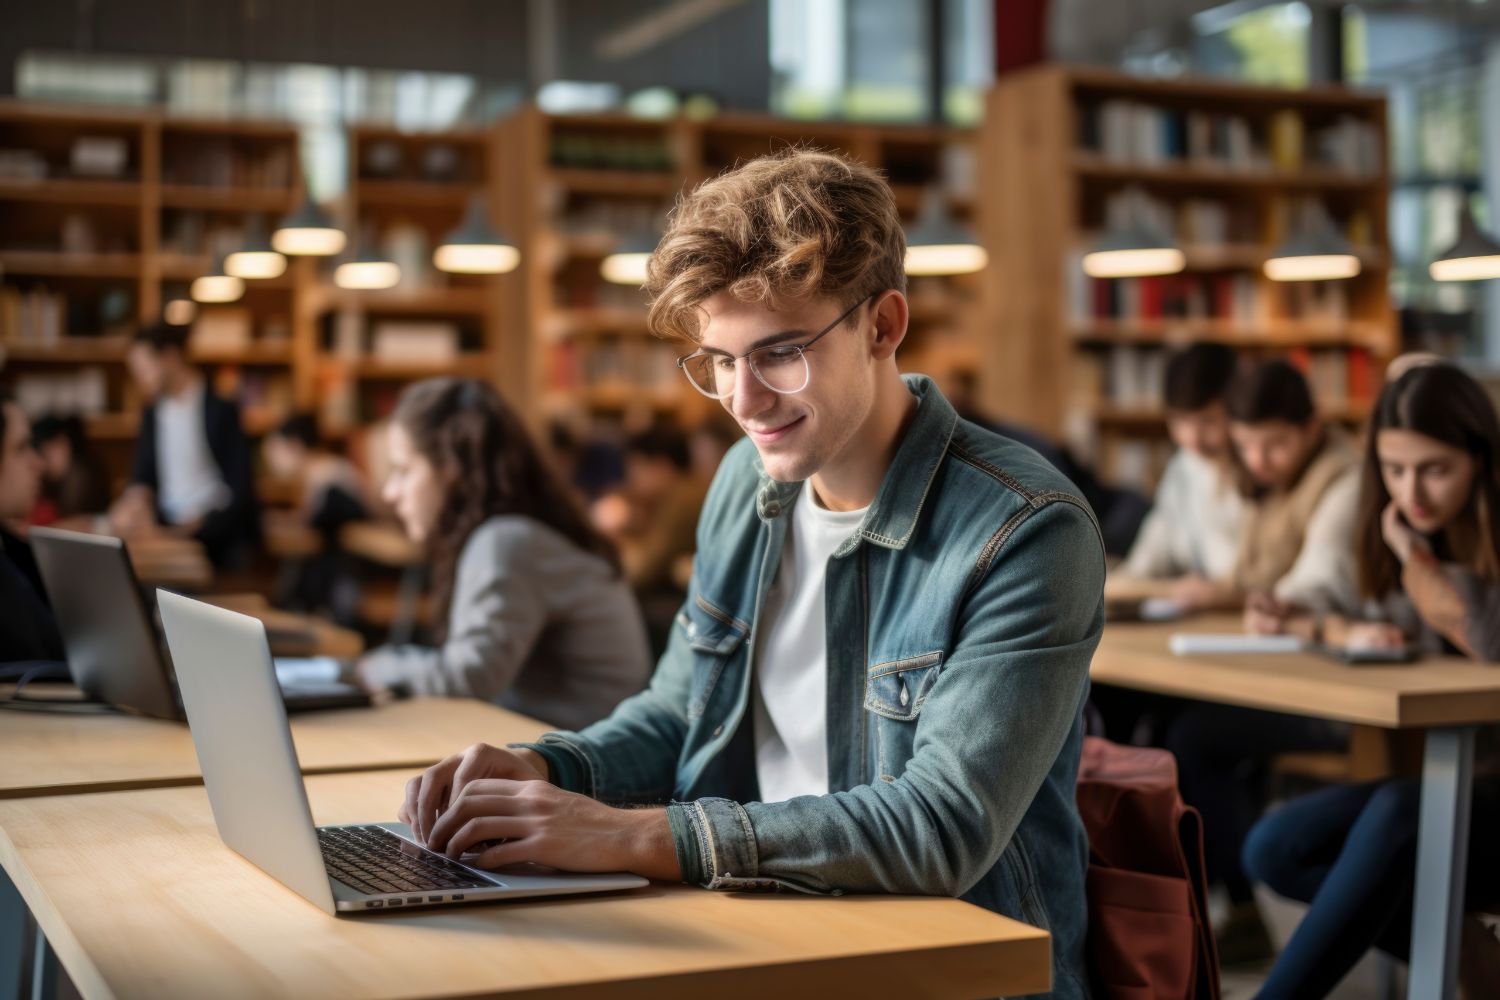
pixel 465 810
pixel 512 852
pixel 408 811
pixel 433 796
pixel 474 763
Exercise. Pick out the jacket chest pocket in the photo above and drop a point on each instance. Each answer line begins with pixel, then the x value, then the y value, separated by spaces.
pixel 894 693
pixel 715 637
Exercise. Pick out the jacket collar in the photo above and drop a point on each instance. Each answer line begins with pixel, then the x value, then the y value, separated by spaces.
pixel 892 517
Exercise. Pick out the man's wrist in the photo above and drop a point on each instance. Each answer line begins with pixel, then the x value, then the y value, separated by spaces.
pixel 535 759
pixel 650 848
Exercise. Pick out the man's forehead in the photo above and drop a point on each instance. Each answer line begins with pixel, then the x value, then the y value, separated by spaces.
pixel 727 323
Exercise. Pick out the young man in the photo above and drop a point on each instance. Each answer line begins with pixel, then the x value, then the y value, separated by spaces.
pixel 1301 480
pixel 192 468
pixel 876 682
pixel 1192 534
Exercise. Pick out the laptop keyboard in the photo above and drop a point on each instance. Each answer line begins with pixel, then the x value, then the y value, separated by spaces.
pixel 376 861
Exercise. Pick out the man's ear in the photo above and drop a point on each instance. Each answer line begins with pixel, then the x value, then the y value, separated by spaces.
pixel 891 316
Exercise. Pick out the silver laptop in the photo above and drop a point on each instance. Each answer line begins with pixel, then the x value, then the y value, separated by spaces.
pixel 114 652
pixel 250 769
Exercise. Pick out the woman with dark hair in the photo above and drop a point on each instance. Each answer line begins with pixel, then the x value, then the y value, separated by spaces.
pixel 532 610
pixel 1429 564
pixel 74 481
pixel 27 628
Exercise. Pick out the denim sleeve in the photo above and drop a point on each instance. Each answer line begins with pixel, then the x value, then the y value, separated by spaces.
pixel 990 729
pixel 630 757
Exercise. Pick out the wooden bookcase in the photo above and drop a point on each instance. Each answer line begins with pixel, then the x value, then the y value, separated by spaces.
pixel 555 337
pixel 104 217
pixel 1226 166
pixel 575 187
pixel 406 193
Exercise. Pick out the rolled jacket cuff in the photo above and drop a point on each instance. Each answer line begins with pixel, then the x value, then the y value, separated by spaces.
pixel 716 846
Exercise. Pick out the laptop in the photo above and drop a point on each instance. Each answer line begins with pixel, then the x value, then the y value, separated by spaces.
pixel 260 805
pixel 115 653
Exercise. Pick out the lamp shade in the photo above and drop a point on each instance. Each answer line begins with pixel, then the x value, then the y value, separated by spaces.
pixel 475 247
pixel 256 259
pixel 1133 245
pixel 308 232
pixel 627 264
pixel 1137 252
pixel 1474 257
pixel 1316 251
pixel 938 244
pixel 217 288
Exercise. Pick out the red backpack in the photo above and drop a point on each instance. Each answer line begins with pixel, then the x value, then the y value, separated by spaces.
pixel 1149 933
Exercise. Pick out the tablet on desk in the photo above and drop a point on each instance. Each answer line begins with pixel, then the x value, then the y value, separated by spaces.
pixel 1141 609
pixel 1366 655
pixel 1210 643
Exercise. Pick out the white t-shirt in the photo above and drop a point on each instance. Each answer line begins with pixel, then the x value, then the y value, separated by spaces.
pixel 189 483
pixel 1194 526
pixel 791 661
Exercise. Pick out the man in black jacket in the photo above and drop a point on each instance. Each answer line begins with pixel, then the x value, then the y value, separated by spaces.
pixel 192 469
pixel 27 629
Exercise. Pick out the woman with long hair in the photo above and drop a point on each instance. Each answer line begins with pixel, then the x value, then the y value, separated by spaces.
pixel 1429 564
pixel 530 607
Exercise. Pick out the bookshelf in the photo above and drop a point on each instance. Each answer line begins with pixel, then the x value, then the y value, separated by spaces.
pixel 104 217
pixel 406 192
pixel 1223 167
pixel 574 187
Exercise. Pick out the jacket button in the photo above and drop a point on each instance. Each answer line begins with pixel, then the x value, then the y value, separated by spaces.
pixel 773 510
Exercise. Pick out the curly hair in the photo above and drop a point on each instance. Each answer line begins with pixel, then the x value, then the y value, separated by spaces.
pixel 464 427
pixel 798 222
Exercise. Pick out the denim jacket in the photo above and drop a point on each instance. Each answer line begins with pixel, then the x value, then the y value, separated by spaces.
pixel 961 619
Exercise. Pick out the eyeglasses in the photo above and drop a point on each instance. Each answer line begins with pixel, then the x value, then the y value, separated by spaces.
pixel 781 368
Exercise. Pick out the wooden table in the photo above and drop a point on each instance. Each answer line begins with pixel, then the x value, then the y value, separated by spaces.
pixel 139 898
pixel 44 754
pixel 1445 697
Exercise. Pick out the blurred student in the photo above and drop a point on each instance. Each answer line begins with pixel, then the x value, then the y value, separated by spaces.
pixel 1429 564
pixel 1192 535
pixel 74 482
pixel 532 610
pixel 192 469
pixel 27 628
pixel 666 498
pixel 1302 481
pixel 332 493
pixel 332 490
pixel 1296 556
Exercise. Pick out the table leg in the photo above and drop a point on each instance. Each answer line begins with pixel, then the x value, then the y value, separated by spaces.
pixel 1442 857
pixel 38 979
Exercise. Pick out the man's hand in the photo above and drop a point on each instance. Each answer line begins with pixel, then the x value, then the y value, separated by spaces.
pixel 1265 615
pixel 133 515
pixel 1198 593
pixel 537 822
pixel 1374 635
pixel 429 794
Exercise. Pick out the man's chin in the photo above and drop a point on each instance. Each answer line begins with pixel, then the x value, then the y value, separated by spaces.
pixel 785 468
